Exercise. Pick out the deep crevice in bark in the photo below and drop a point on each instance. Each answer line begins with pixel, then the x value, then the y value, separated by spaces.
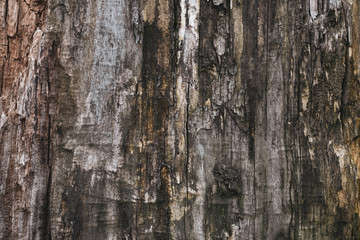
pixel 344 85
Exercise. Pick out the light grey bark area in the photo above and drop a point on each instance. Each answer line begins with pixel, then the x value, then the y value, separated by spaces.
pixel 184 119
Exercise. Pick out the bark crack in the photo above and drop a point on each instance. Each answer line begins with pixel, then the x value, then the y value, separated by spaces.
pixel 36 104
pixel 7 50
pixel 187 133
pixel 2 78
pixel 187 148
pixel 49 165
pixel 345 79
pixel 265 216
pixel 187 139
pixel 6 11
pixel 48 160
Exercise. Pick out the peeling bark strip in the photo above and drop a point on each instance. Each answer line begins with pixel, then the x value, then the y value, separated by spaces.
pixel 155 119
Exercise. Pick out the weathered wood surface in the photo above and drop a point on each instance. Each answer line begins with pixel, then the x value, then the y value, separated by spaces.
pixel 184 119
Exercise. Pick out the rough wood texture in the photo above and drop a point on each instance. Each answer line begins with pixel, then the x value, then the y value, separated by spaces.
pixel 184 119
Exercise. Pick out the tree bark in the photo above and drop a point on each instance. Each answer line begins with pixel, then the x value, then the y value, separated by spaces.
pixel 155 119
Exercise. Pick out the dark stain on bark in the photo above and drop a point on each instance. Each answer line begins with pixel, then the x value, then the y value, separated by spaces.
pixel 281 236
pixel 151 113
pixel 218 221
pixel 154 110
pixel 251 81
pixel 72 208
pixel 207 55
pixel 228 180
pixel 63 111
pixel 126 220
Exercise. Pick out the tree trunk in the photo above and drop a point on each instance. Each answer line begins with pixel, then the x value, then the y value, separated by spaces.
pixel 184 119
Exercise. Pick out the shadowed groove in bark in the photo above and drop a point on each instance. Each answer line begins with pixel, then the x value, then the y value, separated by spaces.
pixel 187 151
pixel 2 78
pixel 50 59
pixel 250 16
pixel 345 82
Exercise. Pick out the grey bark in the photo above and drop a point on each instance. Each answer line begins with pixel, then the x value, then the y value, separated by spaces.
pixel 155 119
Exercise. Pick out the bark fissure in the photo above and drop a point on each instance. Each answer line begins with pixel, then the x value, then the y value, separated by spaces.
pixel 6 11
pixel 47 233
pixel 2 78
pixel 187 152
pixel 344 85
